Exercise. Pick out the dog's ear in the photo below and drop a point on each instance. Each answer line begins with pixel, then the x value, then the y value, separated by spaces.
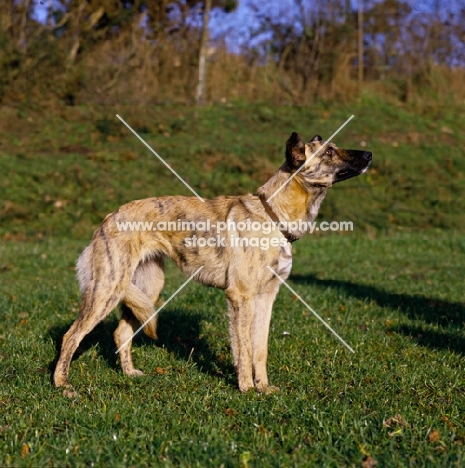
pixel 316 138
pixel 295 151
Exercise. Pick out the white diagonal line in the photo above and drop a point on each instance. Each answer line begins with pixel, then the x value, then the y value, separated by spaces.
pixel 162 160
pixel 312 311
pixel 156 312
pixel 311 157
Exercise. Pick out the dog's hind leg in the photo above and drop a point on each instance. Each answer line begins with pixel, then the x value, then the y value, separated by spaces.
pixel 123 338
pixel 96 303
pixel 140 296
pixel 150 279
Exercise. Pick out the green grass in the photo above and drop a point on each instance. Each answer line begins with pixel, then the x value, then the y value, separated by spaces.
pixel 393 289
pixel 66 173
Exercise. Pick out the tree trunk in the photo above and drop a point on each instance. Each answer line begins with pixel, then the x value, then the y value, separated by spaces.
pixel 203 54
pixel 77 34
pixel 22 41
pixel 360 44
pixel 6 17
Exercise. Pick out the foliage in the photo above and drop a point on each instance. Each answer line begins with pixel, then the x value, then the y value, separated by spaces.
pixel 299 52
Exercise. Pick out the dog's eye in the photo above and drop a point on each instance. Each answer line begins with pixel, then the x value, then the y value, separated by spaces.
pixel 329 151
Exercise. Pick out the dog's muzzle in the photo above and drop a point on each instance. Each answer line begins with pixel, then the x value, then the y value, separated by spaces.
pixel 367 156
pixel 361 165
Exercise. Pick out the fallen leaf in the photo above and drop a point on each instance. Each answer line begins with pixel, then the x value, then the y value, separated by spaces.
pixel 397 420
pixel 74 149
pixel 25 450
pixel 369 462
pixel 6 267
pixel 261 429
pixel 362 450
pixel 129 155
pixel 160 370
pixel 230 412
pixel 117 418
pixel 433 436
pixel 244 459
pixel 447 421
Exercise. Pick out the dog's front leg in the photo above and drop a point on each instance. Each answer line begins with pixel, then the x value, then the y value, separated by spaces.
pixel 261 327
pixel 241 314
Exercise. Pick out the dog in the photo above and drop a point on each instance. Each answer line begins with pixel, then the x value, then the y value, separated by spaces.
pixel 127 265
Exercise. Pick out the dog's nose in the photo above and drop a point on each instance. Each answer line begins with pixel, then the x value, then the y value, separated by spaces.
pixel 367 155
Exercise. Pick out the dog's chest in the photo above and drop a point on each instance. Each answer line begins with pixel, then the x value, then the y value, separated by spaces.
pixel 285 261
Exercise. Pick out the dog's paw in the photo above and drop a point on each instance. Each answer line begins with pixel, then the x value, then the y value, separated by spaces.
pixel 247 390
pixel 134 373
pixel 60 381
pixel 69 393
pixel 244 388
pixel 269 390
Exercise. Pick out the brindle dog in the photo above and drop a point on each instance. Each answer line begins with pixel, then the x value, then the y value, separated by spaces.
pixel 127 265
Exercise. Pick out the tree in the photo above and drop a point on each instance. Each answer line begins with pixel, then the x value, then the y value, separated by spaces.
pixel 203 53
pixel 227 6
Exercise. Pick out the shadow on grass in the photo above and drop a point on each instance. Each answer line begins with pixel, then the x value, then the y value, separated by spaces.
pixel 433 312
pixel 433 338
pixel 179 332
pixel 101 335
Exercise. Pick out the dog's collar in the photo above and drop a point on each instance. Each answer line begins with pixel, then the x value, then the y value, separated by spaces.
pixel 290 237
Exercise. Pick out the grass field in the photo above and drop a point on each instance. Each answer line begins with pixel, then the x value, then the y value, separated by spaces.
pixel 393 289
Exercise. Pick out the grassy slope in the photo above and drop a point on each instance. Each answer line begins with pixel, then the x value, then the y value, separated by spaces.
pixel 54 187
pixel 392 289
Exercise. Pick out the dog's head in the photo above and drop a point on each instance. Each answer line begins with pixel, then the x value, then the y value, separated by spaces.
pixel 323 162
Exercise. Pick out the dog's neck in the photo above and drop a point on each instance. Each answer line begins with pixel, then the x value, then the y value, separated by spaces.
pixel 296 201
